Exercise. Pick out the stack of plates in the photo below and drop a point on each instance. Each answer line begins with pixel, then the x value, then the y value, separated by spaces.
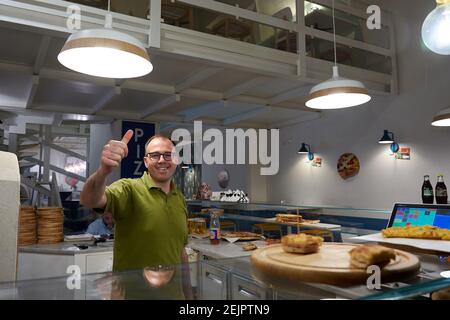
pixel 50 225
pixel 27 226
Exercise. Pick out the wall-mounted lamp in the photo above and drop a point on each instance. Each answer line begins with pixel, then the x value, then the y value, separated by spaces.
pixel 306 149
pixel 388 137
pixel 184 165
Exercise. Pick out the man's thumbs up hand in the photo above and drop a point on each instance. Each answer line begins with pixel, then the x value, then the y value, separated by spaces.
pixel 114 151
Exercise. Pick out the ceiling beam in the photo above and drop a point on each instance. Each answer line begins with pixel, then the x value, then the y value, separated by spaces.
pixel 246 115
pixel 159 105
pixel 75 76
pixel 42 54
pixel 106 99
pixel 33 90
pixel 304 118
pixel 203 109
pixel 148 87
pixel 290 94
pixel 136 85
pixel 196 77
pixel 244 87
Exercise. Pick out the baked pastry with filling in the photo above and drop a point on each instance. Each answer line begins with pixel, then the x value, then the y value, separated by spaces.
pixel 443 294
pixel 417 232
pixel 367 255
pixel 249 246
pixel 289 217
pixel 301 243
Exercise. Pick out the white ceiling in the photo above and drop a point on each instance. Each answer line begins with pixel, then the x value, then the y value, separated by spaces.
pixel 27 51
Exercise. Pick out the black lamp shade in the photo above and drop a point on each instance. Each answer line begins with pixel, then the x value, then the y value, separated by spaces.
pixel 388 137
pixel 184 166
pixel 303 148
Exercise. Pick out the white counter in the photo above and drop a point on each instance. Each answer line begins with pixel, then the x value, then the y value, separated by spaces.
pixel 222 250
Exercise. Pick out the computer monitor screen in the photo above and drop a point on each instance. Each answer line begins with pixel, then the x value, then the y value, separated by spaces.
pixel 420 215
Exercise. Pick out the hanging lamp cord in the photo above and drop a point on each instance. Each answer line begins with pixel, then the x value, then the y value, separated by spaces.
pixel 334 35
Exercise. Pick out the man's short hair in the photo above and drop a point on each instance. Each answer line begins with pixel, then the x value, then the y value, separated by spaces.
pixel 157 136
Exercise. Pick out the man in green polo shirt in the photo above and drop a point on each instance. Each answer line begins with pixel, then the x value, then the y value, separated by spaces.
pixel 150 212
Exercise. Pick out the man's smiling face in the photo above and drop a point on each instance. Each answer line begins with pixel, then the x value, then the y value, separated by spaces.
pixel 161 170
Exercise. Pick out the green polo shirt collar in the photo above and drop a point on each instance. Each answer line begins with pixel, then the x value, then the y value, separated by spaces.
pixel 150 184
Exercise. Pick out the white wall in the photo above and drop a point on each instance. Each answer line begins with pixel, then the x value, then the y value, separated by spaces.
pixel 238 176
pixel 244 177
pixel 424 79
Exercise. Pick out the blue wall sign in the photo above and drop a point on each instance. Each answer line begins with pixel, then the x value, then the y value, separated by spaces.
pixel 133 165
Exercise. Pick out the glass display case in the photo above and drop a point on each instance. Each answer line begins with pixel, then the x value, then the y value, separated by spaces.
pixel 222 279
pixel 342 222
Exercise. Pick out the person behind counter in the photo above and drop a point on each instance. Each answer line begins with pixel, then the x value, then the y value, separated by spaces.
pixel 102 226
pixel 150 213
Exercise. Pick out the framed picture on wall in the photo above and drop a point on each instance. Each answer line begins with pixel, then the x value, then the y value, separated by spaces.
pixel 403 154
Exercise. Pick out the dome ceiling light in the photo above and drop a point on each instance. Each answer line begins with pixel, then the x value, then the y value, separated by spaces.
pixel 337 92
pixel 105 53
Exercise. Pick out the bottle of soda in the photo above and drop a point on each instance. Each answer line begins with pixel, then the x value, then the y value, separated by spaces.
pixel 441 190
pixel 214 228
pixel 427 190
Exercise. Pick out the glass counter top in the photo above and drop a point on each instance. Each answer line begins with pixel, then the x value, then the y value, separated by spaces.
pixel 166 283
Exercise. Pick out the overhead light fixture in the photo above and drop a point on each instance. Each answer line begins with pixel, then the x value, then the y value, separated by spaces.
pixel 105 53
pixel 306 149
pixel 435 28
pixel 442 118
pixel 337 92
pixel 388 137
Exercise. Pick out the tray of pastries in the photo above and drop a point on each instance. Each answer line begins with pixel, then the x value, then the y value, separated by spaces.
pixel 290 218
pixel 242 235
pixel 303 258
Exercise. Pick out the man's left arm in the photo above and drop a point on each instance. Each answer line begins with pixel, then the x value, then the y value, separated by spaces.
pixel 186 276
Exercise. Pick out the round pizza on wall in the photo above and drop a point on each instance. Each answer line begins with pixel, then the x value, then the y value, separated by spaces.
pixel 348 165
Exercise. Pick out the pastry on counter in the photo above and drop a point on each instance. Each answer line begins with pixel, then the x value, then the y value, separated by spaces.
pixel 249 246
pixel 273 241
pixel 301 243
pixel 417 232
pixel 289 217
pixel 443 294
pixel 367 255
pixel 242 235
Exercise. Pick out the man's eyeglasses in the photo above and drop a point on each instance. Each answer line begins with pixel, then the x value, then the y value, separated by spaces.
pixel 155 156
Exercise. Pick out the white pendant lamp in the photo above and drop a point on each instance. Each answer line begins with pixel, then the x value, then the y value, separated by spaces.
pixel 442 118
pixel 105 53
pixel 337 92
pixel 436 28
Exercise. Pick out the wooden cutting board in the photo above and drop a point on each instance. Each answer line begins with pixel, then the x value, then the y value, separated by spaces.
pixel 331 265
